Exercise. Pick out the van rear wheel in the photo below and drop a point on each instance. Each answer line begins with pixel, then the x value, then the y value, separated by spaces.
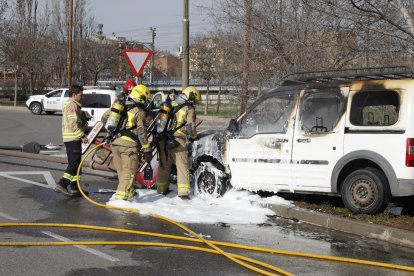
pixel 365 191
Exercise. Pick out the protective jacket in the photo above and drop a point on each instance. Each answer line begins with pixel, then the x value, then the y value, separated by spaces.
pixel 133 130
pixel 72 125
pixel 185 122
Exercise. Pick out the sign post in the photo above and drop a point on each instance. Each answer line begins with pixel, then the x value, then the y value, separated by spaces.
pixel 137 59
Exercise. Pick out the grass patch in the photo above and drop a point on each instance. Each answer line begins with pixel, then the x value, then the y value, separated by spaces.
pixel 226 111
pixel 333 206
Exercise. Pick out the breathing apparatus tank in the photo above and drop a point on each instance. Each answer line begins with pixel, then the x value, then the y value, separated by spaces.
pixel 113 120
pixel 164 112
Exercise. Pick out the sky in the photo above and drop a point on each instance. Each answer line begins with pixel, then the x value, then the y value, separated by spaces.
pixel 133 18
pixel 235 207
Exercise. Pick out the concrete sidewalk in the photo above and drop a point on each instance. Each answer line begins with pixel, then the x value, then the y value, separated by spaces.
pixel 370 230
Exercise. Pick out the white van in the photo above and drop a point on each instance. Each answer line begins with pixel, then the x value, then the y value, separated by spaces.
pixel 96 101
pixel 347 133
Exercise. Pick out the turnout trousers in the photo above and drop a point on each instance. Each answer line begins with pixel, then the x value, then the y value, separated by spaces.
pixel 179 155
pixel 74 154
pixel 126 164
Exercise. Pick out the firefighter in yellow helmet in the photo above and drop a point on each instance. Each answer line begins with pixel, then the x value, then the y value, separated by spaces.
pixel 174 147
pixel 131 139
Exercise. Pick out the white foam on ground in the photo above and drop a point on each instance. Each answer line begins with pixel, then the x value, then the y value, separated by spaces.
pixel 235 207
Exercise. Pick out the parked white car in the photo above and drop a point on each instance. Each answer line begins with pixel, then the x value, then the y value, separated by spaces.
pixel 348 134
pixel 50 102
pixel 95 101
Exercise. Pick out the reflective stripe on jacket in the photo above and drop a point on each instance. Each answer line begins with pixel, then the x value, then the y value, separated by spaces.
pixel 72 128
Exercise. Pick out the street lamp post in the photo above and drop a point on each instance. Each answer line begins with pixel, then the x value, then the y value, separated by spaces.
pixel 70 43
pixel 185 47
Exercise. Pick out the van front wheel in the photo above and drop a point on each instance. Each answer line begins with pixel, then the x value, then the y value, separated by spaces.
pixel 209 180
pixel 365 191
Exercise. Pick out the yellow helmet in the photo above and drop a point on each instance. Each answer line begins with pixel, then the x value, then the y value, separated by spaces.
pixel 192 94
pixel 140 93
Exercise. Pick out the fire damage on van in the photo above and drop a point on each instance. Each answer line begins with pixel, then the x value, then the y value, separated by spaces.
pixel 341 132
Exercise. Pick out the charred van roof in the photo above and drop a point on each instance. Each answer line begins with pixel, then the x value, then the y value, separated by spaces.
pixel 347 75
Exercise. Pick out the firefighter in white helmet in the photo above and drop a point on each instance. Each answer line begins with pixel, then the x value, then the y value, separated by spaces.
pixel 173 148
pixel 130 140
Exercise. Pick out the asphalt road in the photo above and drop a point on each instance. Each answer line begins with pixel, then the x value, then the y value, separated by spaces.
pixel 26 197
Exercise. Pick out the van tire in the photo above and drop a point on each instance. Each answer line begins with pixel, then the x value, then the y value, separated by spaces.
pixel 210 180
pixel 365 191
pixel 36 108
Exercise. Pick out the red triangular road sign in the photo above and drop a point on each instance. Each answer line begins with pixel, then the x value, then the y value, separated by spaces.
pixel 137 59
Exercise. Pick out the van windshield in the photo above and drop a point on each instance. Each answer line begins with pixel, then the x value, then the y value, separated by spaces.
pixel 96 101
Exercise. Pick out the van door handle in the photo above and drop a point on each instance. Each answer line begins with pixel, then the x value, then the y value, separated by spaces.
pixel 306 140
pixel 282 140
pixel 93 111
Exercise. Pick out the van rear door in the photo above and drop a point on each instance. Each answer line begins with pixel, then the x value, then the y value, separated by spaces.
pixel 96 104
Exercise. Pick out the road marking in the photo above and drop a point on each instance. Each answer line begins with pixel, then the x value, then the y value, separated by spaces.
pixel 7 216
pixel 51 183
pixel 83 247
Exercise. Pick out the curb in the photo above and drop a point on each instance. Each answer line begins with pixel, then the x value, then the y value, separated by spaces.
pixel 375 231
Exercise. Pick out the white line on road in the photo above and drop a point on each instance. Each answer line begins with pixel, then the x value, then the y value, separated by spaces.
pixel 7 216
pixel 51 183
pixel 83 247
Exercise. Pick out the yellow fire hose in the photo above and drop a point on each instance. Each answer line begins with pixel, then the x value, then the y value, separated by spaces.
pixel 199 239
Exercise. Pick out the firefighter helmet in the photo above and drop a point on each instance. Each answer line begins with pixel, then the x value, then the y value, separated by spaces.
pixel 192 94
pixel 140 93
pixel 129 85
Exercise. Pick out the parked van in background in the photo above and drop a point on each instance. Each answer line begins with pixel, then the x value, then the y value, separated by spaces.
pixel 96 101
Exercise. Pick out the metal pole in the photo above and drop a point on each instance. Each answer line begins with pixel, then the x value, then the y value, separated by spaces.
pixel 185 47
pixel 70 37
pixel 152 56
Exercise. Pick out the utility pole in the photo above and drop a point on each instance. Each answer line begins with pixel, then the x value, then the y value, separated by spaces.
pixel 246 54
pixel 185 47
pixel 70 37
pixel 153 52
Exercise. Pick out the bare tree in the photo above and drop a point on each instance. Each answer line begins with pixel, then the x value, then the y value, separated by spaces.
pixel 204 54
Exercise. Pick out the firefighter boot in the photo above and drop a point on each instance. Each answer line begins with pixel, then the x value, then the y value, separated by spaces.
pixel 74 191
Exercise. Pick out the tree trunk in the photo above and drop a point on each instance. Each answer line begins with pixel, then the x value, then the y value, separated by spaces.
pixel 15 86
pixel 246 54
pixel 208 90
pixel 218 99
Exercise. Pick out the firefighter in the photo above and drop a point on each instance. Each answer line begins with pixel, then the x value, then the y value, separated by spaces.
pixel 73 122
pixel 173 148
pixel 132 138
pixel 117 105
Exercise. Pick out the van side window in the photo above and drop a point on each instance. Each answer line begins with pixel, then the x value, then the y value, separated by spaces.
pixel 66 94
pixel 321 111
pixel 375 108
pixel 269 116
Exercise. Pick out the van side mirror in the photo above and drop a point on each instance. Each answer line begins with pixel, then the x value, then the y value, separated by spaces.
pixel 233 126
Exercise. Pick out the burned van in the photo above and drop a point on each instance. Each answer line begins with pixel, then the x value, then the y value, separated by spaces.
pixel 347 132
